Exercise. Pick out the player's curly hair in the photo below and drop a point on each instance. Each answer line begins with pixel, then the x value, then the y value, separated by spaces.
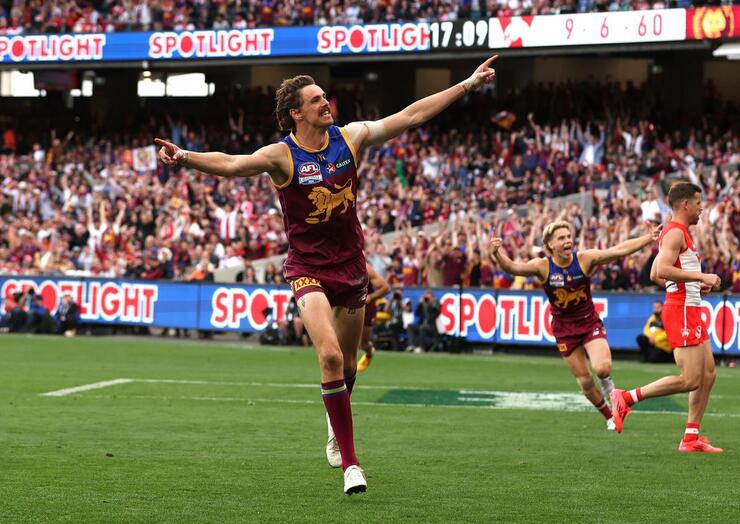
pixel 550 232
pixel 288 96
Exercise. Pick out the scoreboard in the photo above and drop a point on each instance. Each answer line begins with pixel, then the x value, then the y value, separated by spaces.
pixel 469 36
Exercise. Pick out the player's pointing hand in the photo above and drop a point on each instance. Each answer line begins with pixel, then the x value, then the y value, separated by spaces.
pixel 655 233
pixel 483 75
pixel 495 245
pixel 170 154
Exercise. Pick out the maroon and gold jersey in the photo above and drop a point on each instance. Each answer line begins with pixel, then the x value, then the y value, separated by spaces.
pixel 569 292
pixel 319 204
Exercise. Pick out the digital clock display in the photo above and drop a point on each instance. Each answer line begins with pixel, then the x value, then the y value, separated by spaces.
pixel 659 25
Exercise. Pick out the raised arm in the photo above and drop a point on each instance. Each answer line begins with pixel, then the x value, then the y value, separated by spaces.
pixel 537 267
pixel 272 159
pixel 595 257
pixel 374 133
pixel 670 248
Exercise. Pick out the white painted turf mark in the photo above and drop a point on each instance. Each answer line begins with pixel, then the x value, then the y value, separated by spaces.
pixel 378 404
pixel 482 400
pixel 87 387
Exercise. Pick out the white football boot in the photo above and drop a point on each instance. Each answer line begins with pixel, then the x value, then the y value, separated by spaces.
pixel 354 480
pixel 332 447
pixel 610 425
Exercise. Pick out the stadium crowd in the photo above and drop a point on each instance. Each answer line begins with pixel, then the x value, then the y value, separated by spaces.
pixel 87 16
pixel 73 204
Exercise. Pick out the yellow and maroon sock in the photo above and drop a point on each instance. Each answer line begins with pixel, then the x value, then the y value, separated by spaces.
pixel 632 396
pixel 336 401
pixel 691 432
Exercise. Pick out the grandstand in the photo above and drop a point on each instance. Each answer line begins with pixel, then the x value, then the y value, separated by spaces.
pixel 596 109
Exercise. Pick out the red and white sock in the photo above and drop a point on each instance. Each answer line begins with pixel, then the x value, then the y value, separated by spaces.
pixel 632 396
pixel 691 432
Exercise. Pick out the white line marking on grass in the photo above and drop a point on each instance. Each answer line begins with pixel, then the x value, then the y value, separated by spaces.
pixel 476 399
pixel 260 384
pixel 378 404
pixel 87 387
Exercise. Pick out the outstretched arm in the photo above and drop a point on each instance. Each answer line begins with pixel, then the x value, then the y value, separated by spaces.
pixel 537 267
pixel 595 257
pixel 271 159
pixel 374 133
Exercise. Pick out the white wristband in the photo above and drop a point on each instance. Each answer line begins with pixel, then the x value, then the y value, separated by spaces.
pixel 469 83
pixel 182 157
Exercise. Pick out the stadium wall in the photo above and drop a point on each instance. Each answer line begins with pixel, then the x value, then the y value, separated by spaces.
pixel 477 315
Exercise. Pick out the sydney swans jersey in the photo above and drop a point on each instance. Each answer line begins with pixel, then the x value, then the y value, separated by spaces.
pixel 569 292
pixel 683 293
pixel 319 203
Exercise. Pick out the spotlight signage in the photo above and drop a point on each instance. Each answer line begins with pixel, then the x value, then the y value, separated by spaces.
pixel 624 27
pixel 474 315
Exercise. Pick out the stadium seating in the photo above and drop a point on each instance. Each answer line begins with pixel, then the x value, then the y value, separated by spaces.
pixel 74 204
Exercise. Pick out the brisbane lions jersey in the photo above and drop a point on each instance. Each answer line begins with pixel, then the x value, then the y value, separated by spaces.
pixel 569 292
pixel 319 203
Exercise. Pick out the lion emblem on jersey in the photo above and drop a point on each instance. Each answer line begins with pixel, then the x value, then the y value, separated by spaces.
pixel 564 297
pixel 326 202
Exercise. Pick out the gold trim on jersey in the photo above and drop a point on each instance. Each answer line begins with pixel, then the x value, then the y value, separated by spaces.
pixel 547 272
pixel 292 168
pixel 578 259
pixel 308 149
pixel 563 267
pixel 349 143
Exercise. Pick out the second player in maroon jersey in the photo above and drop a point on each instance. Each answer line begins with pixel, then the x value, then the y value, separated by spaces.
pixel 579 332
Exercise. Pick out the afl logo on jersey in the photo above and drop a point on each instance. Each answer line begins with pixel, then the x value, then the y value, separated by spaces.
pixel 556 280
pixel 309 173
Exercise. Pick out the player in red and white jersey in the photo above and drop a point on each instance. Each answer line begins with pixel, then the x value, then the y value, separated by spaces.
pixel 678 268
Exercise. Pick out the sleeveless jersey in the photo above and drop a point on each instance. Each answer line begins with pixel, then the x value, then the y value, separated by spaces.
pixel 318 202
pixel 683 293
pixel 569 292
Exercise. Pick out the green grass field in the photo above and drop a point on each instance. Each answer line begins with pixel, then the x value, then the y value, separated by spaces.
pixel 223 433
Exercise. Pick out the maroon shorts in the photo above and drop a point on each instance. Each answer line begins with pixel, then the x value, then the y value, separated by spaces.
pixel 370 311
pixel 344 286
pixel 569 339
